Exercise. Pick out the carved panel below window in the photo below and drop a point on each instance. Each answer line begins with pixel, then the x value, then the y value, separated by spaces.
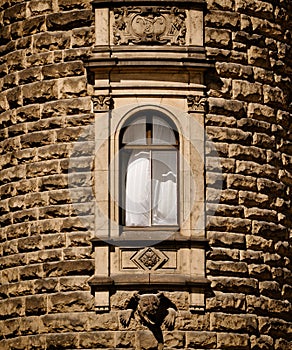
pixel 149 25
pixel 148 259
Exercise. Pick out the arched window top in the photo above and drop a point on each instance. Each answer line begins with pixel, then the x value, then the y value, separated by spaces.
pixel 149 127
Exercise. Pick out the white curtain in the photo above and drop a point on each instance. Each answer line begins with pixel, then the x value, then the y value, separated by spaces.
pixel 163 134
pixel 138 189
pixel 151 202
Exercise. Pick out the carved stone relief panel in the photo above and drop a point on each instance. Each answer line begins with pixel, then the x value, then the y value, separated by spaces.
pixel 149 25
pixel 102 103
pixel 148 259
pixel 196 103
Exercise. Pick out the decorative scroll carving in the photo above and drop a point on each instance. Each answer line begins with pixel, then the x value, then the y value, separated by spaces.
pixel 196 103
pixel 102 103
pixel 149 258
pixel 149 25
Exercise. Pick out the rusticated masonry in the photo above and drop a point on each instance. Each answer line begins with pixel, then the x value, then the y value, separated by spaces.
pixel 47 219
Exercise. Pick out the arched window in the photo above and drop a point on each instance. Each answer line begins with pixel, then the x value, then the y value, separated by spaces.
pixel 149 171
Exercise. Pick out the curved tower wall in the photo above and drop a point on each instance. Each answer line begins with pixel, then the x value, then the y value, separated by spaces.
pixel 46 253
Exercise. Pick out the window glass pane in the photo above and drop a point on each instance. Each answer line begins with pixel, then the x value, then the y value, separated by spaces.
pixel 135 133
pixel 164 188
pixel 138 189
pixel 163 134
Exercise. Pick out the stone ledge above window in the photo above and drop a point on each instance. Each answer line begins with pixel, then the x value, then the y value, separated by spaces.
pixel 129 31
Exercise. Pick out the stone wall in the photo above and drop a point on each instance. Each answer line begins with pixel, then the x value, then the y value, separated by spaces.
pixel 46 256
pixel 249 263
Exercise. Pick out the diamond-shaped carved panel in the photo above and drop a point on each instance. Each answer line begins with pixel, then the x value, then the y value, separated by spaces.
pixel 149 258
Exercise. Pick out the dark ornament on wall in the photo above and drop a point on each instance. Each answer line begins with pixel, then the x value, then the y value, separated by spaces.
pixel 152 310
pixel 149 25
pixel 102 103
pixel 196 103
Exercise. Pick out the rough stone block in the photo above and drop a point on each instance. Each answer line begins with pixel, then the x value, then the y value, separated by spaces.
pixel 125 339
pixel 54 182
pixel 73 87
pixel 256 125
pixel 46 285
pixel 222 19
pixel 241 322
pixel 253 199
pixel 60 70
pixel 258 57
pixel 50 42
pixel 29 243
pixel 261 112
pixel 234 70
pixel 14 97
pixel 97 340
pixel 74 4
pixel 69 20
pixel 104 321
pixel 34 25
pixel 69 268
pixel 263 342
pixel 246 91
pixel 13 307
pixel 15 61
pixel 226 268
pixel 264 140
pixel 70 302
pixel 263 75
pixel 266 28
pixel 270 289
pixel 66 107
pixel 174 339
pixel 228 302
pixel 35 305
pixel 273 95
pixel 187 321
pixel 40 92
pixel 233 341
pixel 64 322
pixel 30 272
pixel 218 37
pixel 83 37
pixel 261 8
pixel 40 7
pixel 223 254
pixel 260 271
pixel 269 230
pixel 15 13
pixel 226 239
pixel 241 182
pixel 227 134
pixel 65 341
pixel 74 283
pixel 234 284
pixel 226 107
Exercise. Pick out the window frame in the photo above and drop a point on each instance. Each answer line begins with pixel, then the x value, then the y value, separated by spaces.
pixel 149 146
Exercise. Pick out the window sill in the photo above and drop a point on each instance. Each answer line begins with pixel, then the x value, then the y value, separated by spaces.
pixel 150 238
pixel 145 280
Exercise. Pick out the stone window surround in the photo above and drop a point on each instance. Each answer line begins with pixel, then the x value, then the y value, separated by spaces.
pixel 117 73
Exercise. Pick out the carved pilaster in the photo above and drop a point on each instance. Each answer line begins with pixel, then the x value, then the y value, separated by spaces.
pixel 196 103
pixel 102 103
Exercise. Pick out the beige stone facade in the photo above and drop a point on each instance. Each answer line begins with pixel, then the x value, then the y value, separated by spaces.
pixel 72 73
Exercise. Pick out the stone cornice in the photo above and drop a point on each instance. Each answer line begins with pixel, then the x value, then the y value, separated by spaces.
pixel 115 3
